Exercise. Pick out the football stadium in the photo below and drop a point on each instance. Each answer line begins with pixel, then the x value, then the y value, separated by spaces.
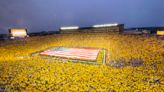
pixel 81 46
pixel 101 58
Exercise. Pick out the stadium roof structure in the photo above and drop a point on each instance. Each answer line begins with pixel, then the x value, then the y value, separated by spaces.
pixel 105 25
pixel 94 26
pixel 115 27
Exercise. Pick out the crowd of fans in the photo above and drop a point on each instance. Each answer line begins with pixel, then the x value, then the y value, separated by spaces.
pixel 19 71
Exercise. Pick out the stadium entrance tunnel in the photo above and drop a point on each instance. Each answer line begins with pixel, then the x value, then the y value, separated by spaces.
pixel 86 55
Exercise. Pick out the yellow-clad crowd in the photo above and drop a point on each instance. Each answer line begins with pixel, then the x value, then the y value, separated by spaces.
pixel 19 71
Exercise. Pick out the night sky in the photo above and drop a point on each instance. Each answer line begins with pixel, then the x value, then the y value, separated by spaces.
pixel 49 15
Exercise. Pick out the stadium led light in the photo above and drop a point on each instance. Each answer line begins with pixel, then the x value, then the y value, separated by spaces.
pixel 69 28
pixel 105 25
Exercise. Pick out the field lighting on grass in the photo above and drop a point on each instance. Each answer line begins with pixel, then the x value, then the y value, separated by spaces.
pixel 69 28
pixel 18 33
pixel 105 25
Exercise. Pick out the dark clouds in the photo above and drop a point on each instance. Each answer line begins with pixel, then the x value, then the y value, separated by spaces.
pixel 43 15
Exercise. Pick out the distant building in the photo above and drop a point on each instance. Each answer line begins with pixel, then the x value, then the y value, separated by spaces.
pixel 146 30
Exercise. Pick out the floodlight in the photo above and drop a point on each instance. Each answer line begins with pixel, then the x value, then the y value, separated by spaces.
pixel 18 32
pixel 69 28
pixel 105 25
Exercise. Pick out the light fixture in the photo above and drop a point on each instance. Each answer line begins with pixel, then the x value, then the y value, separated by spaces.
pixel 69 28
pixel 105 25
